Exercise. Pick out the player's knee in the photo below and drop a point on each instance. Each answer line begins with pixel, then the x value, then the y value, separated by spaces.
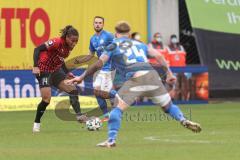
pixel 162 100
pixel 120 103
pixel 100 93
pixel 96 92
pixel 46 98
pixel 166 107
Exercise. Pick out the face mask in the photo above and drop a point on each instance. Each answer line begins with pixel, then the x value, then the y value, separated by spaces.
pixel 159 39
pixel 174 40
pixel 137 37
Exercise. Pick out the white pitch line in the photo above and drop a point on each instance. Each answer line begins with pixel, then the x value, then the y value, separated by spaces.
pixel 152 138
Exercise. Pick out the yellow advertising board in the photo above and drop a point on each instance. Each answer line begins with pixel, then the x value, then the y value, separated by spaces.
pixel 25 24
pixel 26 104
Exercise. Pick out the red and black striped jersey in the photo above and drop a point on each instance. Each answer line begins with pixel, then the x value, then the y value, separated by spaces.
pixel 52 59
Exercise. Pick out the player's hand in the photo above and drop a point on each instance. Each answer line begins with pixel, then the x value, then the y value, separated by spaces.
pixel 171 79
pixel 70 75
pixel 36 70
pixel 75 80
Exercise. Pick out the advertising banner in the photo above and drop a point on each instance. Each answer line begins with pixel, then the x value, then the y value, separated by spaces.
pixel 19 90
pixel 216 26
pixel 26 24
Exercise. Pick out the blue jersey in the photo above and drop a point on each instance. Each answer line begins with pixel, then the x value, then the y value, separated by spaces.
pixel 98 43
pixel 128 56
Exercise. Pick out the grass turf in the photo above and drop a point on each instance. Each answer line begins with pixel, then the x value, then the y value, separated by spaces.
pixel 145 134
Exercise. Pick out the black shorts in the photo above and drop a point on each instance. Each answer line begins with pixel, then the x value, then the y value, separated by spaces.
pixel 51 79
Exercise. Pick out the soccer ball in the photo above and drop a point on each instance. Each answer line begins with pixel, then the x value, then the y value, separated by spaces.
pixel 93 124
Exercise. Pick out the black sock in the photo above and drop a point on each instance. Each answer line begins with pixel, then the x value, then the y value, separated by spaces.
pixel 75 104
pixel 40 111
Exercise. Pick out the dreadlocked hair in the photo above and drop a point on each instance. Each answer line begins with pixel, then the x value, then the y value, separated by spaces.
pixel 68 30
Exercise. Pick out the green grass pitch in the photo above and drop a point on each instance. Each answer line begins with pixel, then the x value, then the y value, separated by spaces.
pixel 145 134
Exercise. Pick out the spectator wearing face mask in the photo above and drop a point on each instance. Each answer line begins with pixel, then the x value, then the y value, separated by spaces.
pixel 176 53
pixel 157 43
pixel 136 36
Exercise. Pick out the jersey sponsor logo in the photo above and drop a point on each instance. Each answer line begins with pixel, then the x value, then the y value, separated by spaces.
pixel 101 41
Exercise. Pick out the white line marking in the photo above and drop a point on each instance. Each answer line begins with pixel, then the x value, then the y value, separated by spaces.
pixel 152 138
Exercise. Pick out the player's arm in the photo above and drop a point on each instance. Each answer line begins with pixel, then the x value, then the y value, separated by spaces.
pixel 102 60
pixel 37 52
pixel 90 70
pixel 36 55
pixel 51 44
pixel 84 59
pixel 96 66
pixel 171 79
pixel 88 57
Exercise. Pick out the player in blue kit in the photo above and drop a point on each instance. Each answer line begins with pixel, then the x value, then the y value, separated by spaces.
pixel 103 79
pixel 129 57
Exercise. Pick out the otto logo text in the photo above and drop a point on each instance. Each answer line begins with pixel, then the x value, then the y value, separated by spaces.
pixel 23 15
